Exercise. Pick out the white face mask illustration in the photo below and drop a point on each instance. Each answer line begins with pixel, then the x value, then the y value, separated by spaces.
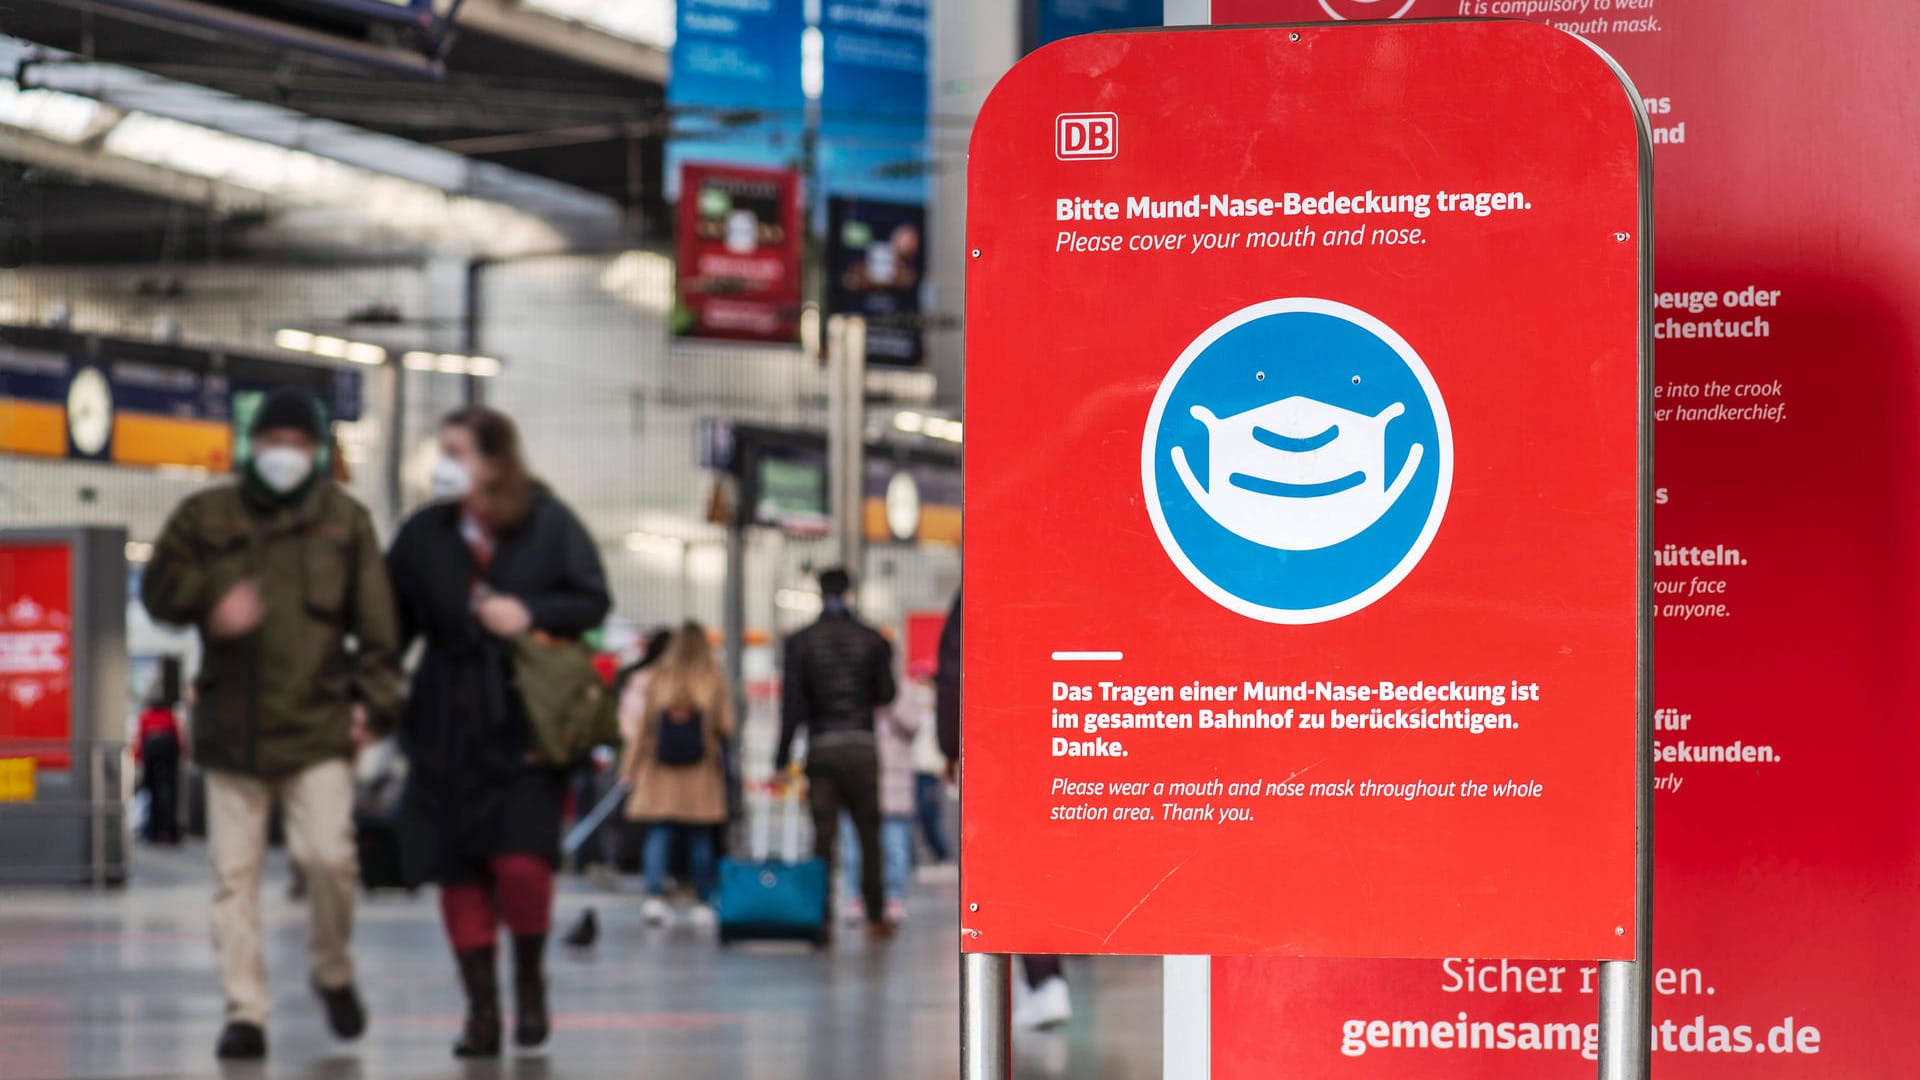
pixel 1297 474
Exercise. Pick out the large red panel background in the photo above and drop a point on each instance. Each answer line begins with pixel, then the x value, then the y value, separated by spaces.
pixel 1786 888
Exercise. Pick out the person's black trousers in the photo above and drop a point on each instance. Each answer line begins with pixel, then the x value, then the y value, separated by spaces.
pixel 928 807
pixel 160 774
pixel 846 776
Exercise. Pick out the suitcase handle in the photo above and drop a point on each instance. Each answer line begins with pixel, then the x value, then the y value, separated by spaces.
pixel 760 829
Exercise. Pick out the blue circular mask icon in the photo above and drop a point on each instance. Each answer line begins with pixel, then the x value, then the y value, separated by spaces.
pixel 1297 460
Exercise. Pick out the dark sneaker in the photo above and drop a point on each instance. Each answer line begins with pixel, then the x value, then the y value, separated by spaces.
pixel 241 1041
pixel 345 1015
pixel 585 932
pixel 882 930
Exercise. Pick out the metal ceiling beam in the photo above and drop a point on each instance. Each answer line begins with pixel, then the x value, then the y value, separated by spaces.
pixel 175 14
pixel 89 164
pixel 581 44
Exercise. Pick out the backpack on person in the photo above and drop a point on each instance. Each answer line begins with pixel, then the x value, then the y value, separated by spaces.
pixel 681 740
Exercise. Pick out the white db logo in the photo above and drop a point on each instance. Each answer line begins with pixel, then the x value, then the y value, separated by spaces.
pixel 1366 9
pixel 1086 136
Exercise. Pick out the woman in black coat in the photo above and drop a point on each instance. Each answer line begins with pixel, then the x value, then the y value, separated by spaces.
pixel 498 556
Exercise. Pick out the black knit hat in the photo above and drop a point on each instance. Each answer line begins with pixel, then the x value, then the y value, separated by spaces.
pixel 835 581
pixel 288 407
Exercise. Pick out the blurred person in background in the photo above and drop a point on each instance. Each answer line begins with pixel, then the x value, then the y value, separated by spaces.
pixel 895 729
pixel 837 677
pixel 157 749
pixel 497 556
pixel 281 572
pixel 1040 999
pixel 681 715
pixel 929 764
pixel 630 690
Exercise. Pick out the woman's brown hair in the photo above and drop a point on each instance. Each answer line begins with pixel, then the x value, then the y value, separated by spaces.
pixel 688 676
pixel 510 495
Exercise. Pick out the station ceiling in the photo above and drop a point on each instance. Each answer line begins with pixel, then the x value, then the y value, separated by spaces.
pixel 516 93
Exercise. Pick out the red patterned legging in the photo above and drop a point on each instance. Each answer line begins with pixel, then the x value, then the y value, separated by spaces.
pixel 518 893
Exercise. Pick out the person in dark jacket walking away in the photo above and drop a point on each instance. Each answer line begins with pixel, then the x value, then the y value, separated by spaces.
pixel 1040 1000
pixel 838 673
pixel 157 749
pixel 280 572
pixel 497 557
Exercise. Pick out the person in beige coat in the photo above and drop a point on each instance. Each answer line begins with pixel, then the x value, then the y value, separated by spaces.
pixel 682 714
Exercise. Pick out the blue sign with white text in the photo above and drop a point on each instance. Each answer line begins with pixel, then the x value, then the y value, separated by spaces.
pixel 735 93
pixel 873 99
pixel 1050 20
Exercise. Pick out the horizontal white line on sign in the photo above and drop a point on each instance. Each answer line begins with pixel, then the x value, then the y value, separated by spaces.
pixel 1089 656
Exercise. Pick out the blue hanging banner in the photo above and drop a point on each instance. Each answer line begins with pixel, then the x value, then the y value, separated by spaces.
pixel 873 167
pixel 1048 21
pixel 735 93
pixel 873 100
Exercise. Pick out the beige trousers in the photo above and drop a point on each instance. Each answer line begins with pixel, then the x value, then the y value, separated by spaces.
pixel 318 808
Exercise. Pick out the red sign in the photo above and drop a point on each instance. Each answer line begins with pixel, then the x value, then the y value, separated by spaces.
pixel 36 653
pixel 739 263
pixel 923 639
pixel 1302 490
pixel 1787 304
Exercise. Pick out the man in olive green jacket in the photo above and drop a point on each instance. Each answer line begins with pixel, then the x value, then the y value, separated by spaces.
pixel 283 576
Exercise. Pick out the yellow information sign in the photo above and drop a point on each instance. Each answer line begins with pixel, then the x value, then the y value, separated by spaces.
pixel 17 778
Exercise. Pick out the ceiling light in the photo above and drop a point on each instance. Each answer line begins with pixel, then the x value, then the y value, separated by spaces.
pixel 450 363
pixel 294 340
pixel 361 352
pixel 910 422
pixel 332 348
pixel 483 367
pixel 418 361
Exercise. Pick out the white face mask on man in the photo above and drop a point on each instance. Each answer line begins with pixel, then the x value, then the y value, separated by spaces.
pixel 450 479
pixel 283 468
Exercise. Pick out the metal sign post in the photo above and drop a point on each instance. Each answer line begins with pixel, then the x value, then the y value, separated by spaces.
pixel 986 1046
pixel 847 435
pixel 1308 538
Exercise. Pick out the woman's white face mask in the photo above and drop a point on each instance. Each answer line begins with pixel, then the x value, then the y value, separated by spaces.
pixel 450 479
pixel 283 468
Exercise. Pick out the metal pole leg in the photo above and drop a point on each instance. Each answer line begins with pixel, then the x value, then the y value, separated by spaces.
pixel 986 1020
pixel 1625 1022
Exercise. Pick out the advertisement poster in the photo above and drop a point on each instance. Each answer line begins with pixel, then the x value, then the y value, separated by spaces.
pixel 1787 309
pixel 1048 21
pixel 738 274
pixel 1303 613
pixel 36 653
pixel 876 261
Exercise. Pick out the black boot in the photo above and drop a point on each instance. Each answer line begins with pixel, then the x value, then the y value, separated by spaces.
pixel 346 1014
pixel 481 1037
pixel 241 1041
pixel 530 1023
